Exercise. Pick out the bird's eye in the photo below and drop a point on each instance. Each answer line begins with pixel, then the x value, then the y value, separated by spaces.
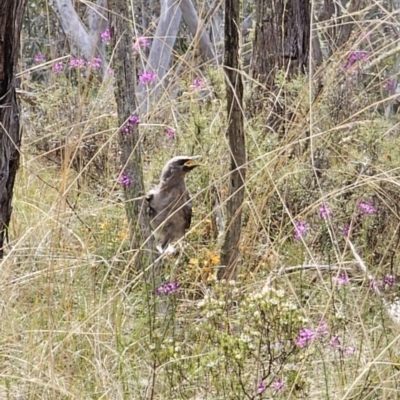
pixel 149 198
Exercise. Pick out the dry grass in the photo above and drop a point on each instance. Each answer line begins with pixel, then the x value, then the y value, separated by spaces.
pixel 78 323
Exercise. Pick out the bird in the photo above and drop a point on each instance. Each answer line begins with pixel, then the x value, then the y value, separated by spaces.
pixel 169 203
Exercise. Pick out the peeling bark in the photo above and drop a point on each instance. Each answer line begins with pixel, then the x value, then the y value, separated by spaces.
pixel 11 13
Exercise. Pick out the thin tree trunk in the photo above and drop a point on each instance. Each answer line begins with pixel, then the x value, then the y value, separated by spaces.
pixel 234 94
pixel 11 14
pixel 125 76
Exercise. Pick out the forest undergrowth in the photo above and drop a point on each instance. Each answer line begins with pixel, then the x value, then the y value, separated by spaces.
pixel 313 311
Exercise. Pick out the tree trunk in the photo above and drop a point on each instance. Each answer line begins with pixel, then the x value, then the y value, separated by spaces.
pixel 11 13
pixel 125 76
pixel 234 94
pixel 282 39
pixel 281 42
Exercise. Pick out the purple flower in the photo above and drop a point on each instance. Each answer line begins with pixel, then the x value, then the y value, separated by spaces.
pixel 342 279
pixel 167 288
pixel 139 43
pixel 39 57
pixel 305 337
pixel 324 211
pixel 77 63
pixel 278 385
pixel 130 125
pixel 95 63
pixel 366 208
pixel 110 72
pixel 354 57
pixel 346 230
pixel 106 36
pixel 171 132
pixel 261 387
pixel 58 67
pixel 388 280
pixel 147 77
pixel 300 230
pixel 198 82
pixel 124 179
pixel 335 342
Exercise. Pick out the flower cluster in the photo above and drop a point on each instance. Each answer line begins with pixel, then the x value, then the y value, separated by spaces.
pixel 147 77
pixel 354 57
pixel 77 63
pixel 38 58
pixel 197 83
pixel 167 288
pixel 106 36
pixel 170 132
pixel 124 179
pixel 300 230
pixel 342 279
pixel 94 63
pixel 307 336
pixel 324 211
pixel 58 67
pixel 140 43
pixel 366 207
pixel 130 125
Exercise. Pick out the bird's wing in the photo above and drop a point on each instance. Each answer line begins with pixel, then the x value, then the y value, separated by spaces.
pixel 187 209
pixel 150 210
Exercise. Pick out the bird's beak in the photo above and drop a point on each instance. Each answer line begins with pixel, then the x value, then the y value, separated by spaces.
pixel 189 164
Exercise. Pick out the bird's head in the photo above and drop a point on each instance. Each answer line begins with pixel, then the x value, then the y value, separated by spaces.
pixel 178 167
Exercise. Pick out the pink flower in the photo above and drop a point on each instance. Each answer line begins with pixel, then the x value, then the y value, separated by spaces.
pixel 124 179
pixel 278 385
pixel 305 337
pixel 39 57
pixel 300 230
pixel 110 72
pixel 170 132
pixel 168 288
pixel 335 342
pixel 131 124
pixel 77 63
pixel 197 83
pixel 261 387
pixel 324 211
pixel 58 67
pixel 106 36
pixel 147 77
pixel 366 207
pixel 342 279
pixel 346 230
pixel 95 63
pixel 139 43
